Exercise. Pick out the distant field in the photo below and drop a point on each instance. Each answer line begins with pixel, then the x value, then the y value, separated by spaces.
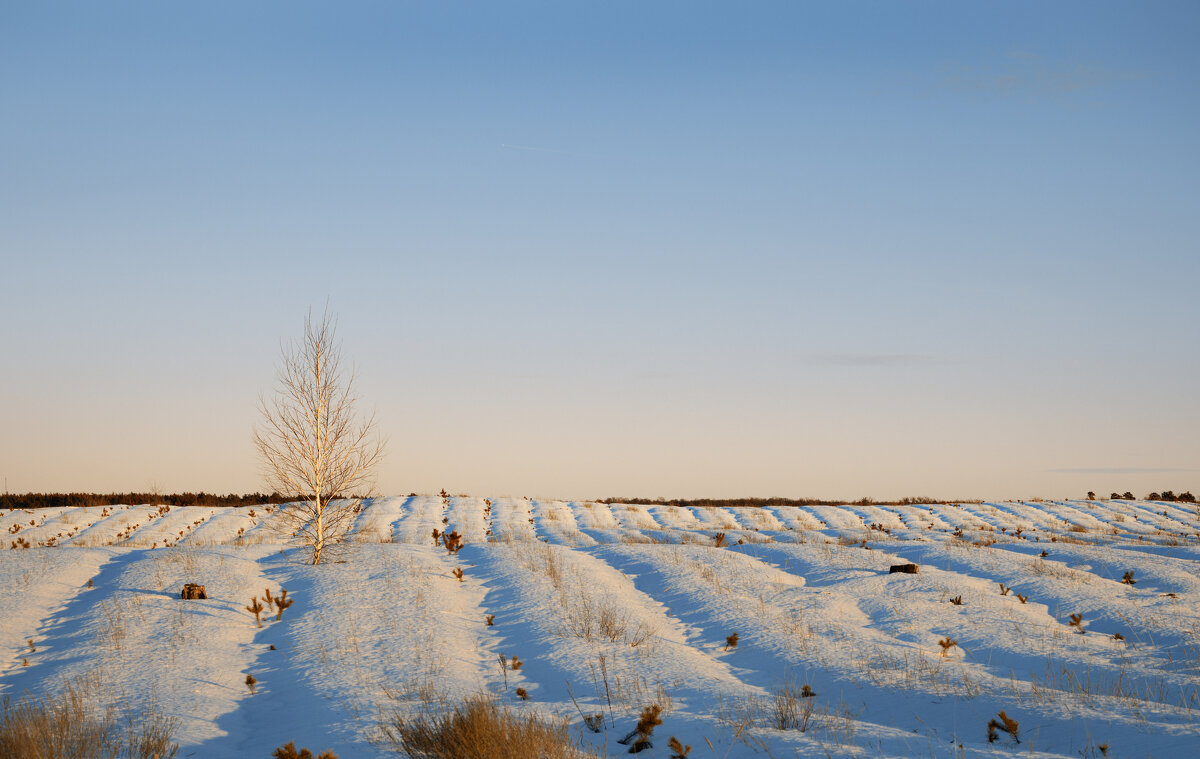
pixel 614 607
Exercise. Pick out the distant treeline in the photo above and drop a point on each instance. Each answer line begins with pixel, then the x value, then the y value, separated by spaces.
pixel 1167 495
pixel 761 502
pixel 47 500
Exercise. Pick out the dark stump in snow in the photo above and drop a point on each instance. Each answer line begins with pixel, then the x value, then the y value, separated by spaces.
pixel 192 591
pixel 908 569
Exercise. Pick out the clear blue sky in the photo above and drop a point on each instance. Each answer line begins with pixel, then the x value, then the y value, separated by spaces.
pixel 585 249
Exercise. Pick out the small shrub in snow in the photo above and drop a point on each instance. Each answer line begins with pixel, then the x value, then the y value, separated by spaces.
pixel 1128 578
pixel 719 540
pixel 282 602
pixel 515 663
pixel 650 718
pixel 642 633
pixel 1004 591
pixel 947 644
pixel 612 623
pixel 288 751
pixel 490 619
pixel 678 750
pixel 32 648
pixel 522 694
pixel 251 682
pixel 256 608
pixel 1077 622
pixel 957 600
pixel 1007 724
pixel 1118 636
pixel 458 573
pixel 452 541
pixel 731 641
pixel 594 722
pixel 1022 598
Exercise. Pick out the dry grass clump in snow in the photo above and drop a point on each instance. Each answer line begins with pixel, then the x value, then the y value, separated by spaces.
pixel 64 726
pixel 791 708
pixel 479 729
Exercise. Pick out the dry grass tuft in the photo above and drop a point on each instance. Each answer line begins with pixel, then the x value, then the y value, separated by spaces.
pixel 790 708
pixel 63 725
pixel 479 729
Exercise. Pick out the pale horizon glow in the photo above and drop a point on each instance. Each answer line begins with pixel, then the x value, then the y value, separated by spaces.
pixel 650 250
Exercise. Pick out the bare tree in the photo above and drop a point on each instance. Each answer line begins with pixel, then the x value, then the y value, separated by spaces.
pixel 311 440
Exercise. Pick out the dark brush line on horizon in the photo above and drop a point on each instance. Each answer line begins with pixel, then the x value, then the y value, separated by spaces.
pixel 53 500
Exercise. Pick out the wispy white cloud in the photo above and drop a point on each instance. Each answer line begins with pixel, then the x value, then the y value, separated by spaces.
pixel 1119 470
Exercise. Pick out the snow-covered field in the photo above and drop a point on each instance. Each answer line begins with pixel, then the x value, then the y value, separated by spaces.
pixel 611 608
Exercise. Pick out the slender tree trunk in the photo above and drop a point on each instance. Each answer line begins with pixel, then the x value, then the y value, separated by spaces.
pixel 320 542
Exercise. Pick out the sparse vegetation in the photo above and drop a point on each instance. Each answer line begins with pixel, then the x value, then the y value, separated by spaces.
pixel 792 590
pixel 65 726
pixel 479 728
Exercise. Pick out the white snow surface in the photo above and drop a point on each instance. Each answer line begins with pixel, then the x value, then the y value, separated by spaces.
pixel 613 607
